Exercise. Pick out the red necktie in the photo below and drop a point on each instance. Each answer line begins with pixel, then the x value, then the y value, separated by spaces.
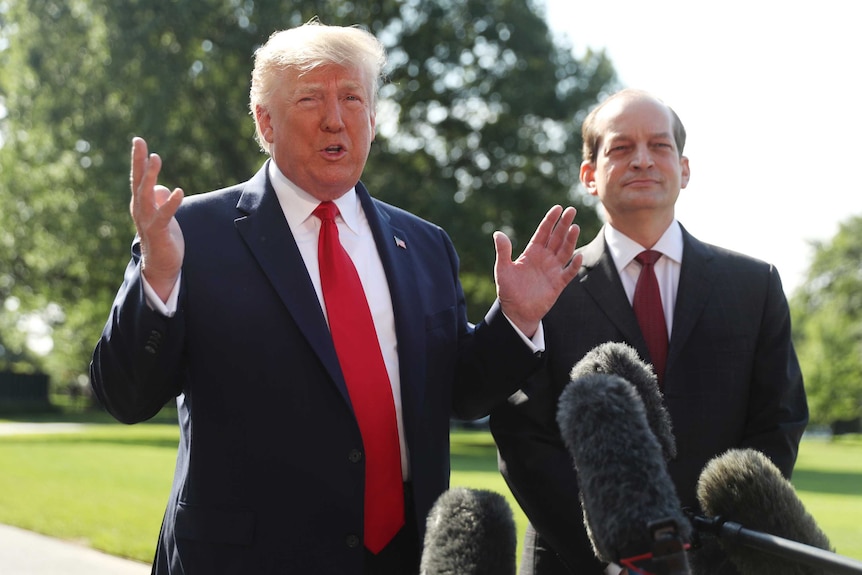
pixel 368 384
pixel 649 311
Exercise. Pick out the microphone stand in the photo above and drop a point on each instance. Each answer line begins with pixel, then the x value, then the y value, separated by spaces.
pixel 786 548
pixel 668 555
pixel 669 549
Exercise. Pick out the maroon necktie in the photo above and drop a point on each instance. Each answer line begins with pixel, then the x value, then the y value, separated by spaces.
pixel 648 309
pixel 368 384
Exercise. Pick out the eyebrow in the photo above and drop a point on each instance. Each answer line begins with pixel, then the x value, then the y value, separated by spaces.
pixel 621 136
pixel 617 138
pixel 349 86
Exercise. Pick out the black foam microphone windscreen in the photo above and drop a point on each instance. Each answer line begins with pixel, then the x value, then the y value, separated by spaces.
pixel 624 483
pixel 745 487
pixel 623 360
pixel 469 532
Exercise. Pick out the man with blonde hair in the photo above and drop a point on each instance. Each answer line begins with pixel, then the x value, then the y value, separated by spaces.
pixel 315 338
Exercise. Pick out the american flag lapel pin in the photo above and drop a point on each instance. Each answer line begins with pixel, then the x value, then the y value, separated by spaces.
pixel 400 243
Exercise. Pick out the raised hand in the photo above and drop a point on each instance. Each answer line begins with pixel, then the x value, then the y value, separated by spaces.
pixel 528 287
pixel 153 208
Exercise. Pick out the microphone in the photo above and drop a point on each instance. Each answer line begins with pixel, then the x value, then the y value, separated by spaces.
pixel 743 487
pixel 631 510
pixel 469 532
pixel 621 359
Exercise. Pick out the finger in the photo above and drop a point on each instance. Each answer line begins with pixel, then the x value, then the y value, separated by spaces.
pixel 169 208
pixel 560 235
pixel 571 270
pixel 546 226
pixel 166 203
pixel 139 160
pixel 160 195
pixel 143 201
pixel 569 242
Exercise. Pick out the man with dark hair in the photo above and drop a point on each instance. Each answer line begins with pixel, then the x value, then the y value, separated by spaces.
pixel 718 337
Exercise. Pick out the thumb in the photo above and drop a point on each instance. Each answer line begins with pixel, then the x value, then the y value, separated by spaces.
pixel 503 247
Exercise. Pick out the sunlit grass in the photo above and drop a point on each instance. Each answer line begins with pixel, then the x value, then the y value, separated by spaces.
pixel 828 480
pixel 107 486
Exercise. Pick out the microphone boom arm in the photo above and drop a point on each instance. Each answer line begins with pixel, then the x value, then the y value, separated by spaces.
pixel 786 548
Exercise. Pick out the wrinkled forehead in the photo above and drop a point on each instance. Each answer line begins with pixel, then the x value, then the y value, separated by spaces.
pixel 330 75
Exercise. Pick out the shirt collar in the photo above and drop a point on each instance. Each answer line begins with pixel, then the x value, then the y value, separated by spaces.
pixel 297 204
pixel 624 249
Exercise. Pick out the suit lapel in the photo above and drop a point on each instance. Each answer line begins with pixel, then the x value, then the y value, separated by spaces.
pixel 695 287
pixel 262 226
pixel 600 279
pixel 393 245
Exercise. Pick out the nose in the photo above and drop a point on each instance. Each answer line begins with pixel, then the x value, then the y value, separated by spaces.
pixel 332 120
pixel 642 157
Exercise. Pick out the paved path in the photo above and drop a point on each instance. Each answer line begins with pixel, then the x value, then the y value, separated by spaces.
pixel 19 428
pixel 28 553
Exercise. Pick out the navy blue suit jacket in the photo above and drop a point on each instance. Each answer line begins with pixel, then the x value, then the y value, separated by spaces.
pixel 732 380
pixel 269 475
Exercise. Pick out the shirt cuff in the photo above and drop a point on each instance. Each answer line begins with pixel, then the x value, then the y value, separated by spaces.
pixel 536 343
pixel 168 308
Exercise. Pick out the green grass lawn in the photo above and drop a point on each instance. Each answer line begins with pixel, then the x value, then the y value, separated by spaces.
pixel 828 480
pixel 107 486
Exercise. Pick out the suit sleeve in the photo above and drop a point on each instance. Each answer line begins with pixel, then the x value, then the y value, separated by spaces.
pixel 136 365
pixel 778 409
pixel 492 357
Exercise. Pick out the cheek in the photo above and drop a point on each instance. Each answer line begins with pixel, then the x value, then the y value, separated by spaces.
pixel 611 173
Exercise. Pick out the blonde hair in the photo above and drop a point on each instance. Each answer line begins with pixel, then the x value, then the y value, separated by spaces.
pixel 305 48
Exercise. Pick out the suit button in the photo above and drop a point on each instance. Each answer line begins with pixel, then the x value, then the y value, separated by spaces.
pixel 355 456
pixel 352 541
pixel 153 341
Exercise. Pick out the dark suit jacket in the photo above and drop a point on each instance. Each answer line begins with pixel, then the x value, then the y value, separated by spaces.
pixel 269 475
pixel 732 380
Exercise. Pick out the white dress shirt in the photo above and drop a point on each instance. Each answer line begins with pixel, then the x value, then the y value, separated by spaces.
pixel 355 236
pixel 623 250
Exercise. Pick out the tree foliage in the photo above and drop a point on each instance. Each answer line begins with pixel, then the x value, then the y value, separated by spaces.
pixel 478 131
pixel 827 312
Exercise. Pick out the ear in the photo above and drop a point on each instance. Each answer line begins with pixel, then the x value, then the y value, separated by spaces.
pixel 685 172
pixel 588 177
pixel 264 122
